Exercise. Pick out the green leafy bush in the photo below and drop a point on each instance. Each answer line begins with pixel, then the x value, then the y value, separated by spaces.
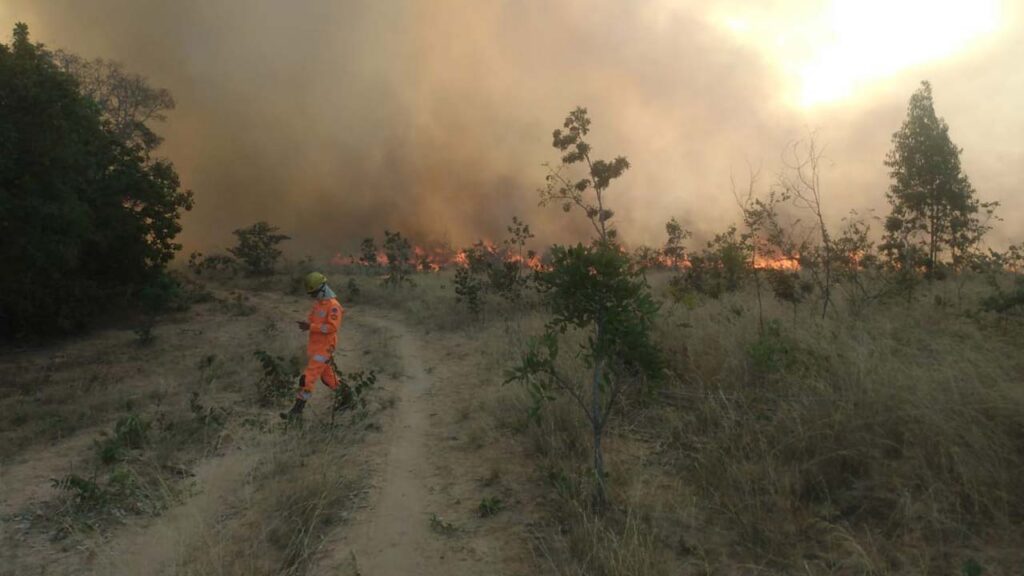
pixel 490 506
pixel 399 256
pixel 130 433
pixel 278 379
pixel 257 247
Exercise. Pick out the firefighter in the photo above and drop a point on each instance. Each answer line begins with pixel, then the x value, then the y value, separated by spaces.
pixel 322 324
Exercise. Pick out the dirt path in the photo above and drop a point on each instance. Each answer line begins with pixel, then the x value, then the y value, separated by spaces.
pixel 416 470
pixel 422 516
pixel 393 537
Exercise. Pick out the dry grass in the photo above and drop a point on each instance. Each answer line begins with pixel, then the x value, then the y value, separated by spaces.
pixel 881 440
pixel 884 439
pixel 192 386
pixel 890 442
pixel 280 517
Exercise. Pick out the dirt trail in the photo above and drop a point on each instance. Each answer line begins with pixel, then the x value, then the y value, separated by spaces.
pixel 415 469
pixel 393 537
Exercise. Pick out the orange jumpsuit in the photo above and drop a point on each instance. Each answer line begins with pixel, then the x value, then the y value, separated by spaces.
pixel 324 321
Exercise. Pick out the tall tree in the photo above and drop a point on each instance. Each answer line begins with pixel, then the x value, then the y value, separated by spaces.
pixel 85 216
pixel 934 207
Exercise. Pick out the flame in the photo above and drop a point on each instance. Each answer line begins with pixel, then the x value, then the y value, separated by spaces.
pixel 435 258
pixel 791 263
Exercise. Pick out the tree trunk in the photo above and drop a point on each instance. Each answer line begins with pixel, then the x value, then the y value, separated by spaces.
pixel 933 242
pixel 757 289
pixel 826 243
pixel 597 424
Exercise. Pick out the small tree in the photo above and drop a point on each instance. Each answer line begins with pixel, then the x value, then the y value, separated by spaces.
pixel 506 268
pixel 789 287
pixel 761 220
pixel 648 258
pixel 802 183
pixel 368 253
pixel 257 247
pixel 469 289
pixel 398 252
pixel 722 266
pixel 674 250
pixel 934 207
pixel 595 289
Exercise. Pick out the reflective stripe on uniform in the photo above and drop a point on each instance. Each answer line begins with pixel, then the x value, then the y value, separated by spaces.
pixel 324 328
pixel 319 358
pixel 305 395
pixel 321 313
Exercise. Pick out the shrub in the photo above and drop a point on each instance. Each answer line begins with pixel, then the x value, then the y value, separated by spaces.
pixel 399 255
pixel 278 379
pixel 352 290
pixel 468 289
pixel 490 506
pixel 215 263
pixel 257 247
pixel 130 433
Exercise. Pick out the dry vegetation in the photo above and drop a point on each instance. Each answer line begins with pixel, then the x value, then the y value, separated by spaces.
pixel 127 449
pixel 884 439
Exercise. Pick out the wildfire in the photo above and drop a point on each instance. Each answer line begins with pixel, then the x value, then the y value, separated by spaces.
pixel 438 257
pixel 777 263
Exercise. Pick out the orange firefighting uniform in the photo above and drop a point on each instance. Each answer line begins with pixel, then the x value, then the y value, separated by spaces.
pixel 324 321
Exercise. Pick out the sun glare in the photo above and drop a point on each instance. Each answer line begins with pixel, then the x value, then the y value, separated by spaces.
pixel 842 50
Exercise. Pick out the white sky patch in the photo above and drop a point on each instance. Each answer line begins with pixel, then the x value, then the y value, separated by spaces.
pixel 846 46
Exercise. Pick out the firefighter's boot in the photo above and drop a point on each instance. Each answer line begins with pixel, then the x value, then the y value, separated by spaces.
pixel 296 410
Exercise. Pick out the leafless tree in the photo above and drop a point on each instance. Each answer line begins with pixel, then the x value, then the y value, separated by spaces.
pixel 802 182
pixel 128 102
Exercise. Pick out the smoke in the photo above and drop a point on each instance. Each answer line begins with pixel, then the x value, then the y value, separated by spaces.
pixel 337 119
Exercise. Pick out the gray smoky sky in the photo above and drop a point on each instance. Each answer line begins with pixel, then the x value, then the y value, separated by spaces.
pixel 338 119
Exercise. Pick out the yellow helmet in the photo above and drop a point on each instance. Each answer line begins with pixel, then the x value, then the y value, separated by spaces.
pixel 315 281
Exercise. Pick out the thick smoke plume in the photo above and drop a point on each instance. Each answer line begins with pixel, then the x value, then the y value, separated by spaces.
pixel 338 119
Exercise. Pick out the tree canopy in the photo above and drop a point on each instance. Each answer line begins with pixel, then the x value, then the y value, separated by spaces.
pixel 87 215
pixel 934 207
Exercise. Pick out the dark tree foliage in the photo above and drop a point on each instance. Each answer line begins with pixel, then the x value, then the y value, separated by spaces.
pixel 934 207
pixel 597 289
pixel 399 254
pixel 507 275
pixel 87 217
pixel 368 253
pixel 501 270
pixel 257 247
pixel 674 250
pixel 469 289
pixel 720 267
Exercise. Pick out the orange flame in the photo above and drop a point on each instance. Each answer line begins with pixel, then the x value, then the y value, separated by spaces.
pixel 440 257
